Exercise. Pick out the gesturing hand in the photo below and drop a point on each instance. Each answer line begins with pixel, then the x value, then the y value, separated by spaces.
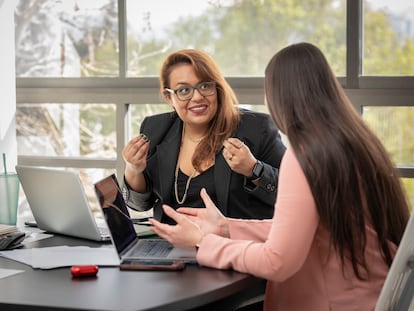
pixel 192 223
pixel 135 154
pixel 238 156
pixel 209 219
pixel 185 234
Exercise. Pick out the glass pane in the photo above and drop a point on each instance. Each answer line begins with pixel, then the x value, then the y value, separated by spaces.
pixel 409 188
pixel 88 178
pixel 240 35
pixel 140 111
pixel 71 130
pixel 66 38
pixel 258 108
pixel 388 37
pixel 394 127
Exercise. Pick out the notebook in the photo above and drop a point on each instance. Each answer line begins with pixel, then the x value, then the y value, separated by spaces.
pixel 59 203
pixel 129 246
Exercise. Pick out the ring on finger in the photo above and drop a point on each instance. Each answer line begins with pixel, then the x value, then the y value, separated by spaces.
pixel 241 145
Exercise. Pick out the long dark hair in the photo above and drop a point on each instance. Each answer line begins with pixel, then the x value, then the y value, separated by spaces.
pixel 351 176
pixel 227 118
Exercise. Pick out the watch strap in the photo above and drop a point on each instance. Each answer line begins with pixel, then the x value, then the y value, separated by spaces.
pixel 257 171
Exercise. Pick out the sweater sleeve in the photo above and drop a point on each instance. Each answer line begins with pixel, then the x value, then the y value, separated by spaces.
pixel 273 252
pixel 258 230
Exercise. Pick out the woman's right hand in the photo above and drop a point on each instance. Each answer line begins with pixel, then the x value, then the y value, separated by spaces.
pixel 135 157
pixel 135 154
pixel 209 219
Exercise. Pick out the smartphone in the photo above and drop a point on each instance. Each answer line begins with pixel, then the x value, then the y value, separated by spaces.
pixel 154 265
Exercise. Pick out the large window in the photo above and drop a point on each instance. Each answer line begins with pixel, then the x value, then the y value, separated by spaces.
pixel 66 38
pixel 388 38
pixel 87 70
pixel 81 38
pixel 241 35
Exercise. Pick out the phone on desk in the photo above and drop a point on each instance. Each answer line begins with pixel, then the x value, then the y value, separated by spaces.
pixel 151 264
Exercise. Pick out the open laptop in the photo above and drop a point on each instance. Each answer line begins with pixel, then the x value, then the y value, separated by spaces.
pixel 128 245
pixel 59 203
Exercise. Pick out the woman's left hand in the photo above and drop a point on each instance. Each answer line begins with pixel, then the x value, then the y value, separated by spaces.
pixel 238 156
pixel 185 234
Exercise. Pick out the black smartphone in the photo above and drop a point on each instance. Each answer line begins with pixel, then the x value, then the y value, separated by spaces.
pixel 154 265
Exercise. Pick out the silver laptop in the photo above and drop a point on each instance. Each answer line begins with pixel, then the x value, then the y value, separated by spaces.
pixel 128 245
pixel 59 203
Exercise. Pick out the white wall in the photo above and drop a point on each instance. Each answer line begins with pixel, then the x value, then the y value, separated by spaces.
pixel 8 143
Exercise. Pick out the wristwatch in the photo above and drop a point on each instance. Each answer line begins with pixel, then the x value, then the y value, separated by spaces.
pixel 257 171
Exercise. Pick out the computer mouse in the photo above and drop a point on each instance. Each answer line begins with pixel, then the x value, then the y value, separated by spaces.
pixel 11 240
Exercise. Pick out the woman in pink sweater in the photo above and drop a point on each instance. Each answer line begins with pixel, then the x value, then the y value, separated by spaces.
pixel 340 211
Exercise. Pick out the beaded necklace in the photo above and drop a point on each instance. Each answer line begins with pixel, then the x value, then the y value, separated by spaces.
pixel 187 185
pixel 177 167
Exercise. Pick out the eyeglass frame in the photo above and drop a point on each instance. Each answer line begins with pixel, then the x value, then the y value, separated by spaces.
pixel 193 88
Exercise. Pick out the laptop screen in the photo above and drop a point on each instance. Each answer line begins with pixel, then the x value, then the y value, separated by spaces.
pixel 115 212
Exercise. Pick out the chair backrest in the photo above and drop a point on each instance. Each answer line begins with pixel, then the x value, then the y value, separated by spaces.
pixel 398 291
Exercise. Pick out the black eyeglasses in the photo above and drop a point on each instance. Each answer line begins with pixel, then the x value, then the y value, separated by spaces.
pixel 187 92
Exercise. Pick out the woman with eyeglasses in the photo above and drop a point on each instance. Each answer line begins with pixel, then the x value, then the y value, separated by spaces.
pixel 340 211
pixel 207 141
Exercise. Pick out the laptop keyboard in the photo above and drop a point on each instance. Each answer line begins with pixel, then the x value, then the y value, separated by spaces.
pixel 152 248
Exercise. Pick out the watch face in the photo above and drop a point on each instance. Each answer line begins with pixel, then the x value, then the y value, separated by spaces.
pixel 258 169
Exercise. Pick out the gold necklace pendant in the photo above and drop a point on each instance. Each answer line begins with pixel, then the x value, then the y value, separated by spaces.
pixel 194 140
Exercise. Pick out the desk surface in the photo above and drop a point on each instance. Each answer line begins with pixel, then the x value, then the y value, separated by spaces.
pixel 193 288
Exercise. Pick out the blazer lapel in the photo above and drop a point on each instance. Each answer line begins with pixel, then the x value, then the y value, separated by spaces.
pixel 169 149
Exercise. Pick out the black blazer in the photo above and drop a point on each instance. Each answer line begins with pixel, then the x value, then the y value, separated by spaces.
pixel 236 197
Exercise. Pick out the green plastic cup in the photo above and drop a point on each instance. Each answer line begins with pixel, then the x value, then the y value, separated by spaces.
pixel 9 198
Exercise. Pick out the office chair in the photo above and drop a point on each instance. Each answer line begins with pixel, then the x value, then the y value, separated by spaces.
pixel 397 293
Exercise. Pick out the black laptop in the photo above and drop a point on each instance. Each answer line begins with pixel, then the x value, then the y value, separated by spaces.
pixel 123 234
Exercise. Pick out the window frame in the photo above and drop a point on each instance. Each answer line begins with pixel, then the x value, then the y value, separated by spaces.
pixel 122 91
